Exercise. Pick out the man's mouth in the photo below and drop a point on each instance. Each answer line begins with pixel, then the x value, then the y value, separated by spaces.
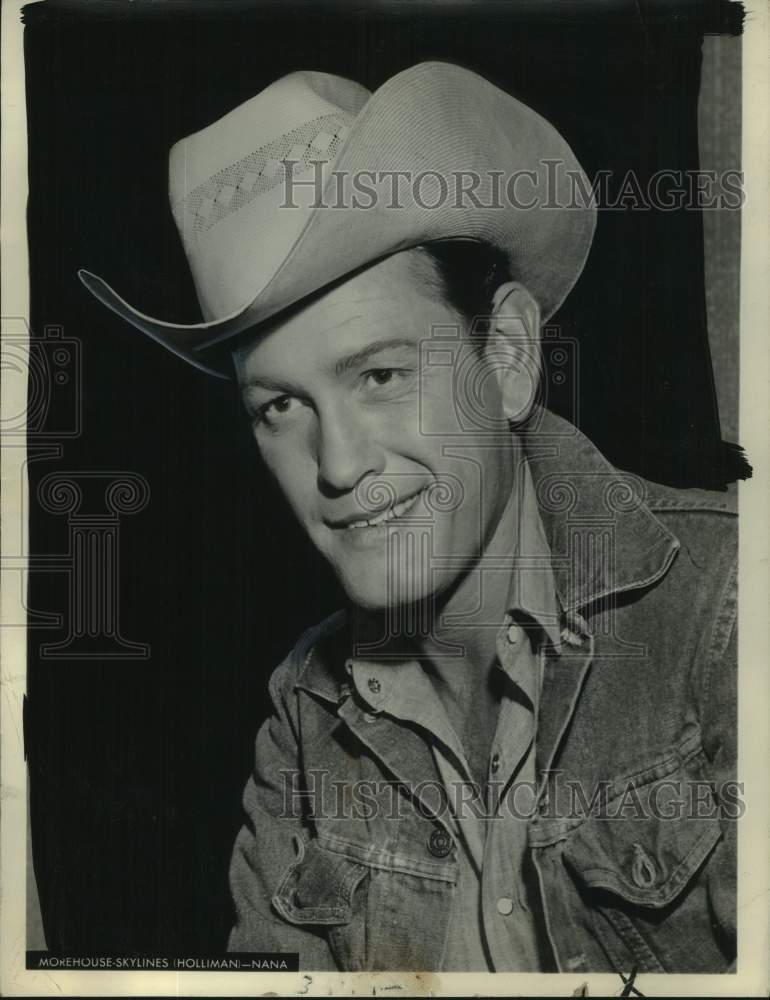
pixel 384 516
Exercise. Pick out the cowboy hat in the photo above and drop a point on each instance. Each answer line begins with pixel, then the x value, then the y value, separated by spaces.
pixel 316 177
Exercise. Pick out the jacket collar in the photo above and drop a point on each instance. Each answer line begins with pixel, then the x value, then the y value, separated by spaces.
pixel 603 538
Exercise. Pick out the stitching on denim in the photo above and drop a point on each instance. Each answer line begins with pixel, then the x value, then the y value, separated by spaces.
pixel 305 648
pixel 548 838
pixel 600 922
pixel 551 831
pixel 588 656
pixel 385 861
pixel 632 938
pixel 344 890
pixel 723 625
pixel 678 756
pixel 692 507
pixel 658 574
pixel 700 850
pixel 388 863
pixel 673 884
pixel 452 903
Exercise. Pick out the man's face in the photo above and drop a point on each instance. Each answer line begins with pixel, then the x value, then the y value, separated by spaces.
pixel 355 409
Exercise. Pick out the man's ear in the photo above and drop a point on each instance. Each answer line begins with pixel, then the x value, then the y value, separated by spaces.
pixel 513 347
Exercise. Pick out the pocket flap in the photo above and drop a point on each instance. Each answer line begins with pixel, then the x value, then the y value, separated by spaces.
pixel 647 861
pixel 318 887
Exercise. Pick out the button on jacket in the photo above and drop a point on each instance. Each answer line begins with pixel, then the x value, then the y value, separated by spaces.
pixel 345 857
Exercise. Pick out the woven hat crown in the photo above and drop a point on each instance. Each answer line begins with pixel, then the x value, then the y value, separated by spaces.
pixel 239 163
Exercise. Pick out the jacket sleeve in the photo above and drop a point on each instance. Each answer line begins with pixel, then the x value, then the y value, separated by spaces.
pixel 265 846
pixel 717 700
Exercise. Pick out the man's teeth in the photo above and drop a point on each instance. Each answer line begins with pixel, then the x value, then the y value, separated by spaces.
pixel 398 510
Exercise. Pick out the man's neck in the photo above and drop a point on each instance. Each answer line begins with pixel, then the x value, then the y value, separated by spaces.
pixel 461 642
pixel 457 633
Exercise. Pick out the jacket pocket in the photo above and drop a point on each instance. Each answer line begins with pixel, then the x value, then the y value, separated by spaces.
pixel 318 888
pixel 638 867
pixel 646 862
pixel 367 913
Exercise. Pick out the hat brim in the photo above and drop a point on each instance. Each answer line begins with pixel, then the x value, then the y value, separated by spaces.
pixel 441 119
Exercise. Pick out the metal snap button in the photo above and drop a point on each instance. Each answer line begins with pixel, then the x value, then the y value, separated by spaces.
pixel 440 843
pixel 374 685
pixel 571 638
pixel 514 634
pixel 504 906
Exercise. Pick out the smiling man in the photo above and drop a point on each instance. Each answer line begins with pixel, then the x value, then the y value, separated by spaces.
pixel 514 749
pixel 353 423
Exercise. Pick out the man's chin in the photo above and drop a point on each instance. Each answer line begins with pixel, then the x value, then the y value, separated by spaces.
pixel 372 594
pixel 379 576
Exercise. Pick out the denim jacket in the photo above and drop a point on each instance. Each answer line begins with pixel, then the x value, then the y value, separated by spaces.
pixel 634 833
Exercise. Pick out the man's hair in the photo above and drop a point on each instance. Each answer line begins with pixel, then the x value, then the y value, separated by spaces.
pixel 467 273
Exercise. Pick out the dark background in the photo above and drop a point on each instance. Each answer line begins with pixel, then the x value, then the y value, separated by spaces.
pixel 137 766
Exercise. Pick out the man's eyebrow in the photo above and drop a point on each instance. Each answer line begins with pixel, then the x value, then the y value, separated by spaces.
pixel 344 364
pixel 263 382
pixel 351 361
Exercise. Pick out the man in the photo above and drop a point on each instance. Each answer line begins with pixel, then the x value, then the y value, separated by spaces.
pixel 515 748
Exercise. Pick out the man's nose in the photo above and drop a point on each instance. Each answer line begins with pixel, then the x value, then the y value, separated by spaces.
pixel 347 451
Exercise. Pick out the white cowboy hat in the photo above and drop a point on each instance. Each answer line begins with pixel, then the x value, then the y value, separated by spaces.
pixel 259 238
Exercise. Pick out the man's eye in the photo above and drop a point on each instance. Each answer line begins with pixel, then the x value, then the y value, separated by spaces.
pixel 272 412
pixel 379 377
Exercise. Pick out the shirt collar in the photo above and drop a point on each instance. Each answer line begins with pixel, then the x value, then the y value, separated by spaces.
pixel 532 589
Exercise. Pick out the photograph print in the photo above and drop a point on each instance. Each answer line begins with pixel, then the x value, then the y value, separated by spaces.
pixel 381 459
